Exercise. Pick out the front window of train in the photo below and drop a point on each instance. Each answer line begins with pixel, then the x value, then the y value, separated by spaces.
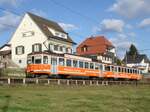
pixel 45 59
pixel 38 60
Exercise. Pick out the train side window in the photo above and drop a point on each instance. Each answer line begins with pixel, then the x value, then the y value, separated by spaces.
pixel 45 59
pixel 61 62
pixel 32 59
pixel 38 61
pixel 119 69
pixel 81 64
pixel 86 65
pixel 91 65
pixel 101 66
pixel 68 62
pixel 112 68
pixel 29 61
pixel 125 70
pixel 96 66
pixel 130 70
pixel 115 69
pixel 75 63
pixel 135 71
pixel 107 68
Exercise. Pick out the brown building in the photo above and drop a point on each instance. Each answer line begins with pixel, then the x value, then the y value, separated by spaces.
pixel 97 47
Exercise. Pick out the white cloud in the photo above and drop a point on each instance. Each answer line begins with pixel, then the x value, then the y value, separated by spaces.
pixel 122 43
pixel 129 26
pixel 131 8
pixel 8 20
pixel 39 12
pixel 145 23
pixel 131 34
pixel 10 2
pixel 68 27
pixel 111 25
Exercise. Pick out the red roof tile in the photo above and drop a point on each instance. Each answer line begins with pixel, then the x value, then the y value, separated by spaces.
pixel 95 45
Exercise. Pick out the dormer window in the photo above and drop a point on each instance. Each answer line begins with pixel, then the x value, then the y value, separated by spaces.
pixel 60 34
pixel 57 33
pixel 84 48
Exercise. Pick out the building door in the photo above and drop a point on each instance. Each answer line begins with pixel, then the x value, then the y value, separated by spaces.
pixel 54 65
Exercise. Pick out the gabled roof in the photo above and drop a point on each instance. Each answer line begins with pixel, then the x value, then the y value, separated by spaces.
pixel 5 46
pixel 43 24
pixel 95 45
pixel 136 59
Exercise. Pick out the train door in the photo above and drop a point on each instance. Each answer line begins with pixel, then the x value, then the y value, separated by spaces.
pixel 54 64
pixel 116 72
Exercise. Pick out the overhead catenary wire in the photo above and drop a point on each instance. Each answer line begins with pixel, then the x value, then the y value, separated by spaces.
pixel 13 12
pixel 93 21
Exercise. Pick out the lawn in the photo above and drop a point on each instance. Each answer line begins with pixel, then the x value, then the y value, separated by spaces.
pixel 74 99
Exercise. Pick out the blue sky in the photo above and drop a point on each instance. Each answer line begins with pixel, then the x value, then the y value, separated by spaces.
pixel 122 21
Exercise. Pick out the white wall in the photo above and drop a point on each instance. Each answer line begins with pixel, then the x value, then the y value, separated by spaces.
pixel 105 59
pixel 5 48
pixel 142 64
pixel 25 26
pixel 113 50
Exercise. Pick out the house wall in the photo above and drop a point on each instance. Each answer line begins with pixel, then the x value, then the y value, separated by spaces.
pixel 5 48
pixel 142 64
pixel 104 59
pixel 27 25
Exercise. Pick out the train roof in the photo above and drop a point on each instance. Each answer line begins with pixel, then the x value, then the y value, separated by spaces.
pixel 74 56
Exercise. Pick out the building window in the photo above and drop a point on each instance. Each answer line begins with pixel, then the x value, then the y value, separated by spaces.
pixel 28 34
pixel 61 48
pixel 19 50
pixel 84 49
pixel 51 47
pixel 56 47
pixel 67 50
pixel 36 48
pixel 20 61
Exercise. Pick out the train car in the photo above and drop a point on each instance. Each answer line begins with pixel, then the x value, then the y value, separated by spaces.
pixel 69 65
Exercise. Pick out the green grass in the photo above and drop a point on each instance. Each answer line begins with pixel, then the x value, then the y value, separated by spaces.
pixel 74 99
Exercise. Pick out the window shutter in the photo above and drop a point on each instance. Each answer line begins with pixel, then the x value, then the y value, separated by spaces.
pixel 40 47
pixel 16 50
pixel 32 48
pixel 22 49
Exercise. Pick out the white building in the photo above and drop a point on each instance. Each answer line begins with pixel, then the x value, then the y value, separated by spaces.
pixel 35 34
pixel 140 61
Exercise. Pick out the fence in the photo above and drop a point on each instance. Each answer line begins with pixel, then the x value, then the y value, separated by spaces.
pixel 24 81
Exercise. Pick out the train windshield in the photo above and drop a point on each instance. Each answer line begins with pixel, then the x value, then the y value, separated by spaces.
pixel 45 59
pixel 37 59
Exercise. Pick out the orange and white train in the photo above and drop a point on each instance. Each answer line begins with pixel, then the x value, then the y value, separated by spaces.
pixel 69 65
